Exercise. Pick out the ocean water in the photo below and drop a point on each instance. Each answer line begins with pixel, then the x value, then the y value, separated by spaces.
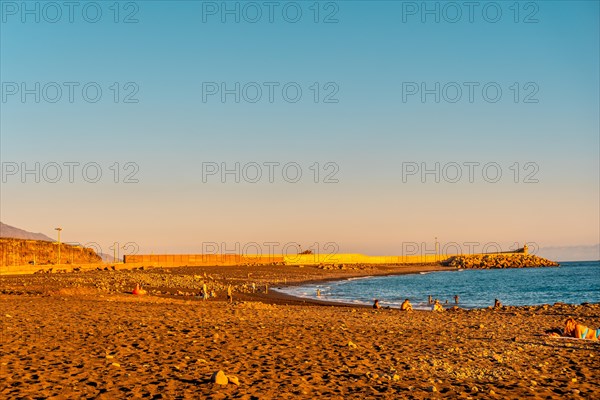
pixel 572 282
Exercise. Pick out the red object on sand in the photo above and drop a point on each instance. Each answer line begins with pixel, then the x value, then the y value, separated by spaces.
pixel 138 291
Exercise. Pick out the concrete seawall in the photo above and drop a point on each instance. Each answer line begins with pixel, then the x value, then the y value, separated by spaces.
pixel 277 259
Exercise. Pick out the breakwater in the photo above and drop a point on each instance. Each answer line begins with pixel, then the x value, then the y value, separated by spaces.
pixel 500 260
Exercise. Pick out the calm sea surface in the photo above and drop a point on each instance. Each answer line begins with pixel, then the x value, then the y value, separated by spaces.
pixel 572 282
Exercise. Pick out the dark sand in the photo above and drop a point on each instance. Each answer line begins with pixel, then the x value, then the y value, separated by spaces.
pixel 69 336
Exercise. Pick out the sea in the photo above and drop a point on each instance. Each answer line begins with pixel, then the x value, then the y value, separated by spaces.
pixel 571 282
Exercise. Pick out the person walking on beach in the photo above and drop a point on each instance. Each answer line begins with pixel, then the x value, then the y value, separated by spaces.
pixel 204 291
pixel 456 299
pixel 229 294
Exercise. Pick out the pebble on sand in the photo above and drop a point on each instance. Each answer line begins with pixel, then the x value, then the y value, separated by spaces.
pixel 219 378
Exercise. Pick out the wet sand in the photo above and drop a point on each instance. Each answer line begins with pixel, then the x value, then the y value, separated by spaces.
pixel 82 336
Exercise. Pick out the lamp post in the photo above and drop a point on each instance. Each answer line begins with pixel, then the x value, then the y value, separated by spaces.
pixel 58 229
pixel 436 250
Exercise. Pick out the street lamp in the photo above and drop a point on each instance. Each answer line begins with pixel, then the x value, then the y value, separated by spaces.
pixel 436 250
pixel 58 229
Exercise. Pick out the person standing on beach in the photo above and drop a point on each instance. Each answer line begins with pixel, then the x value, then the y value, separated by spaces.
pixel 204 291
pixel 429 300
pixel 456 299
pixel 229 294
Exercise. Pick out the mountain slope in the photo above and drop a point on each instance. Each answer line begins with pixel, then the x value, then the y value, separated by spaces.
pixel 7 231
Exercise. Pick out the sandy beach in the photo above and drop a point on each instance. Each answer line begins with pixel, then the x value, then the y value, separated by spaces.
pixel 82 335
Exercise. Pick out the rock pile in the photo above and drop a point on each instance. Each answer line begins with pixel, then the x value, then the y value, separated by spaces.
pixel 488 261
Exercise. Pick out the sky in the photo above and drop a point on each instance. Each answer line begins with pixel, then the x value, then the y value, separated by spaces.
pixel 340 126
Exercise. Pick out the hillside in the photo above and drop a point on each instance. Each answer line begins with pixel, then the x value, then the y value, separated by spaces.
pixel 7 231
pixel 41 252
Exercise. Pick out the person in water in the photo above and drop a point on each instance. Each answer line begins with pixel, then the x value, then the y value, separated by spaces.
pixel 406 306
pixel 456 299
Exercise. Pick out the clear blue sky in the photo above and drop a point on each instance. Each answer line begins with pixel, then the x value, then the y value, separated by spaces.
pixel 368 55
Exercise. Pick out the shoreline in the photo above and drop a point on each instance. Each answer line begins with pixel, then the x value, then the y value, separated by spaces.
pixel 281 296
pixel 277 297
pixel 278 278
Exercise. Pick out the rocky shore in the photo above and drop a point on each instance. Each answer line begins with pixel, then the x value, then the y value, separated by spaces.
pixel 488 261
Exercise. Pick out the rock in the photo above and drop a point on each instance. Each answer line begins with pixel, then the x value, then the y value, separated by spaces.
pixel 234 380
pixel 574 380
pixel 352 345
pixel 219 378
pixel 116 364
pixel 432 389
pixel 396 377
pixel 474 389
